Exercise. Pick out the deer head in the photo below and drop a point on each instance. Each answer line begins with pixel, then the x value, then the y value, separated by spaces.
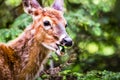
pixel 49 24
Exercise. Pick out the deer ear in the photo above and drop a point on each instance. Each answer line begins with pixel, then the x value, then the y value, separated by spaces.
pixel 30 6
pixel 58 5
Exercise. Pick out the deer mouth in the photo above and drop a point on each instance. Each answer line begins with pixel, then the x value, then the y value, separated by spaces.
pixel 60 50
pixel 57 48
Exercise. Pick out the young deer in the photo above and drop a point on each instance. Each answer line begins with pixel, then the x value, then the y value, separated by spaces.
pixel 24 57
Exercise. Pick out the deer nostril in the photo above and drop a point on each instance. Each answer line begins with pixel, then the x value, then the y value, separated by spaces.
pixel 67 42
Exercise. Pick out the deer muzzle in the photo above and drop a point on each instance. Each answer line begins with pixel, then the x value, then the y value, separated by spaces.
pixel 67 41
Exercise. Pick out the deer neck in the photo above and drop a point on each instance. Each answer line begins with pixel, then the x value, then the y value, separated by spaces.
pixel 30 52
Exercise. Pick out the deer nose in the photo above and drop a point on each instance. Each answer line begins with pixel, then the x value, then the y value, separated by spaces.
pixel 67 41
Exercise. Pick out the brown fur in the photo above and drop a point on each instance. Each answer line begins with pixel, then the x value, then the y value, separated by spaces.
pixel 24 57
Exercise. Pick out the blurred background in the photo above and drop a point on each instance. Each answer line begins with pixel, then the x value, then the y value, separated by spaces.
pixel 94 26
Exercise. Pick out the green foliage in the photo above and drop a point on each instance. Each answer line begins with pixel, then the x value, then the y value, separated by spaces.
pixel 22 21
pixel 13 3
pixel 100 75
pixel 7 34
pixel 94 28
pixel 92 75
pixel 15 29
pixel 97 31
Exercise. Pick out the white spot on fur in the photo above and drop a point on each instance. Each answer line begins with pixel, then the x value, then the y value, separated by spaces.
pixel 33 31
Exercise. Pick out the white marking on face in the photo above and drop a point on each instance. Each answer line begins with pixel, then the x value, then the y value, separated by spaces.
pixel 47 27
pixel 62 36
pixel 49 47
pixel 33 31
pixel 44 10
pixel 36 17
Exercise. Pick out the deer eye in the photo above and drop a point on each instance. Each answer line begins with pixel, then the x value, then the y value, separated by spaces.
pixel 47 23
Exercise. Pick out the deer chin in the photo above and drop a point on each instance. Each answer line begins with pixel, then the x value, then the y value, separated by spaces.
pixel 57 48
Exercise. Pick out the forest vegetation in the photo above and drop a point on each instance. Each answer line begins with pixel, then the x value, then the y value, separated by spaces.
pixel 94 26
